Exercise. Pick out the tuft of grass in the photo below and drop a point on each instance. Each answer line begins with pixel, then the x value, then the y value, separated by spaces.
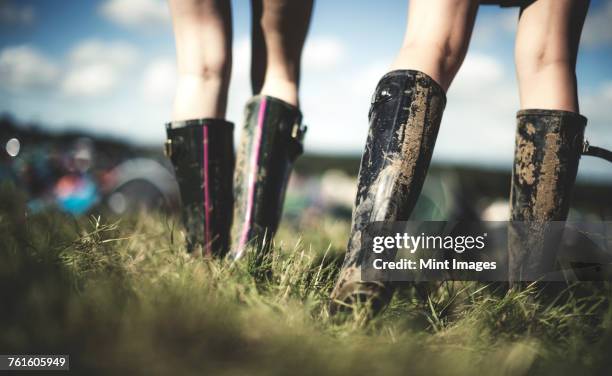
pixel 122 296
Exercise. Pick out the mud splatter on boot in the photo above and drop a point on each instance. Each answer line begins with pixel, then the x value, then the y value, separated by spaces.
pixel 202 153
pixel 271 141
pixel 404 120
pixel 547 151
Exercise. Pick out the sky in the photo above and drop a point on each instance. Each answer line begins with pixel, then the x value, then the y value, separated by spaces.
pixel 107 66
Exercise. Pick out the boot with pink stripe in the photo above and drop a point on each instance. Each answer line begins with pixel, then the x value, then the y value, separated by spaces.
pixel 202 153
pixel 271 141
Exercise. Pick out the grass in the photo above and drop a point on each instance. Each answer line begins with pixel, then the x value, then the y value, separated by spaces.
pixel 121 296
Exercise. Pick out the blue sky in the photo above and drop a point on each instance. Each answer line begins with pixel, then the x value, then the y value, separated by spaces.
pixel 108 66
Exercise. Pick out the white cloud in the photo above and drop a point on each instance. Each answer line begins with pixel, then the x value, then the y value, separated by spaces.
pixel 336 107
pixel 482 66
pixel 159 81
pixel 24 67
pixel 323 53
pixel 140 14
pixel 96 67
pixel 92 51
pixel 90 80
pixel 478 71
pixel 13 14
pixel 597 26
pixel 482 104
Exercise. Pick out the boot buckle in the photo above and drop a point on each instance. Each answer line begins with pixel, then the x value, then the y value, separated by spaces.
pixel 168 148
pixel 298 131
pixel 585 147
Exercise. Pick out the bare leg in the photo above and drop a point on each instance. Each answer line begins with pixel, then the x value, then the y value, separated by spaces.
pixel 203 35
pixel 549 135
pixel 405 117
pixel 546 48
pixel 279 32
pixel 437 37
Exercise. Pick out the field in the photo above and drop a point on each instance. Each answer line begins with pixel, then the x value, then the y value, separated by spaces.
pixel 121 296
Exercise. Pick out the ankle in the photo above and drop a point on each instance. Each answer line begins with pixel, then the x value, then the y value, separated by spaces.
pixel 280 88
pixel 197 98
pixel 434 67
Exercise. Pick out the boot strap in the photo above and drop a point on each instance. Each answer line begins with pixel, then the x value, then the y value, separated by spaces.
pixel 595 151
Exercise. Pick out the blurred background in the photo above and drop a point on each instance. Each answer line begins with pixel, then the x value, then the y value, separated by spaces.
pixel 86 87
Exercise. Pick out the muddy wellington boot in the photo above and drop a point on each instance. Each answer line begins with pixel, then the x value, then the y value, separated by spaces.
pixel 404 120
pixel 548 147
pixel 271 141
pixel 202 152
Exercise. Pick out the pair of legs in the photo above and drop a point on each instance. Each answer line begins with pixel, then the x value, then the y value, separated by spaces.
pixel 406 113
pixel 203 35
pixel 227 203
pixel 438 35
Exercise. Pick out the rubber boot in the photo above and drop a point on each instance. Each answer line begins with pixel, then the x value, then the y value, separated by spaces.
pixel 404 118
pixel 202 153
pixel 271 141
pixel 548 147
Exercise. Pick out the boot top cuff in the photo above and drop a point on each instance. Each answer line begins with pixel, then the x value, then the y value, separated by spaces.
pixel 288 109
pixel 199 123
pixel 422 79
pixel 579 119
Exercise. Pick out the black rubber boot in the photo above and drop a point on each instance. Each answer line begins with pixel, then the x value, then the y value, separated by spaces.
pixel 404 120
pixel 202 152
pixel 271 141
pixel 548 147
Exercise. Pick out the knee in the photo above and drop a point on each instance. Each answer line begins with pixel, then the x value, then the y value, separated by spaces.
pixel 270 23
pixel 278 16
pixel 443 52
pixel 533 61
pixel 204 54
pixel 215 68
